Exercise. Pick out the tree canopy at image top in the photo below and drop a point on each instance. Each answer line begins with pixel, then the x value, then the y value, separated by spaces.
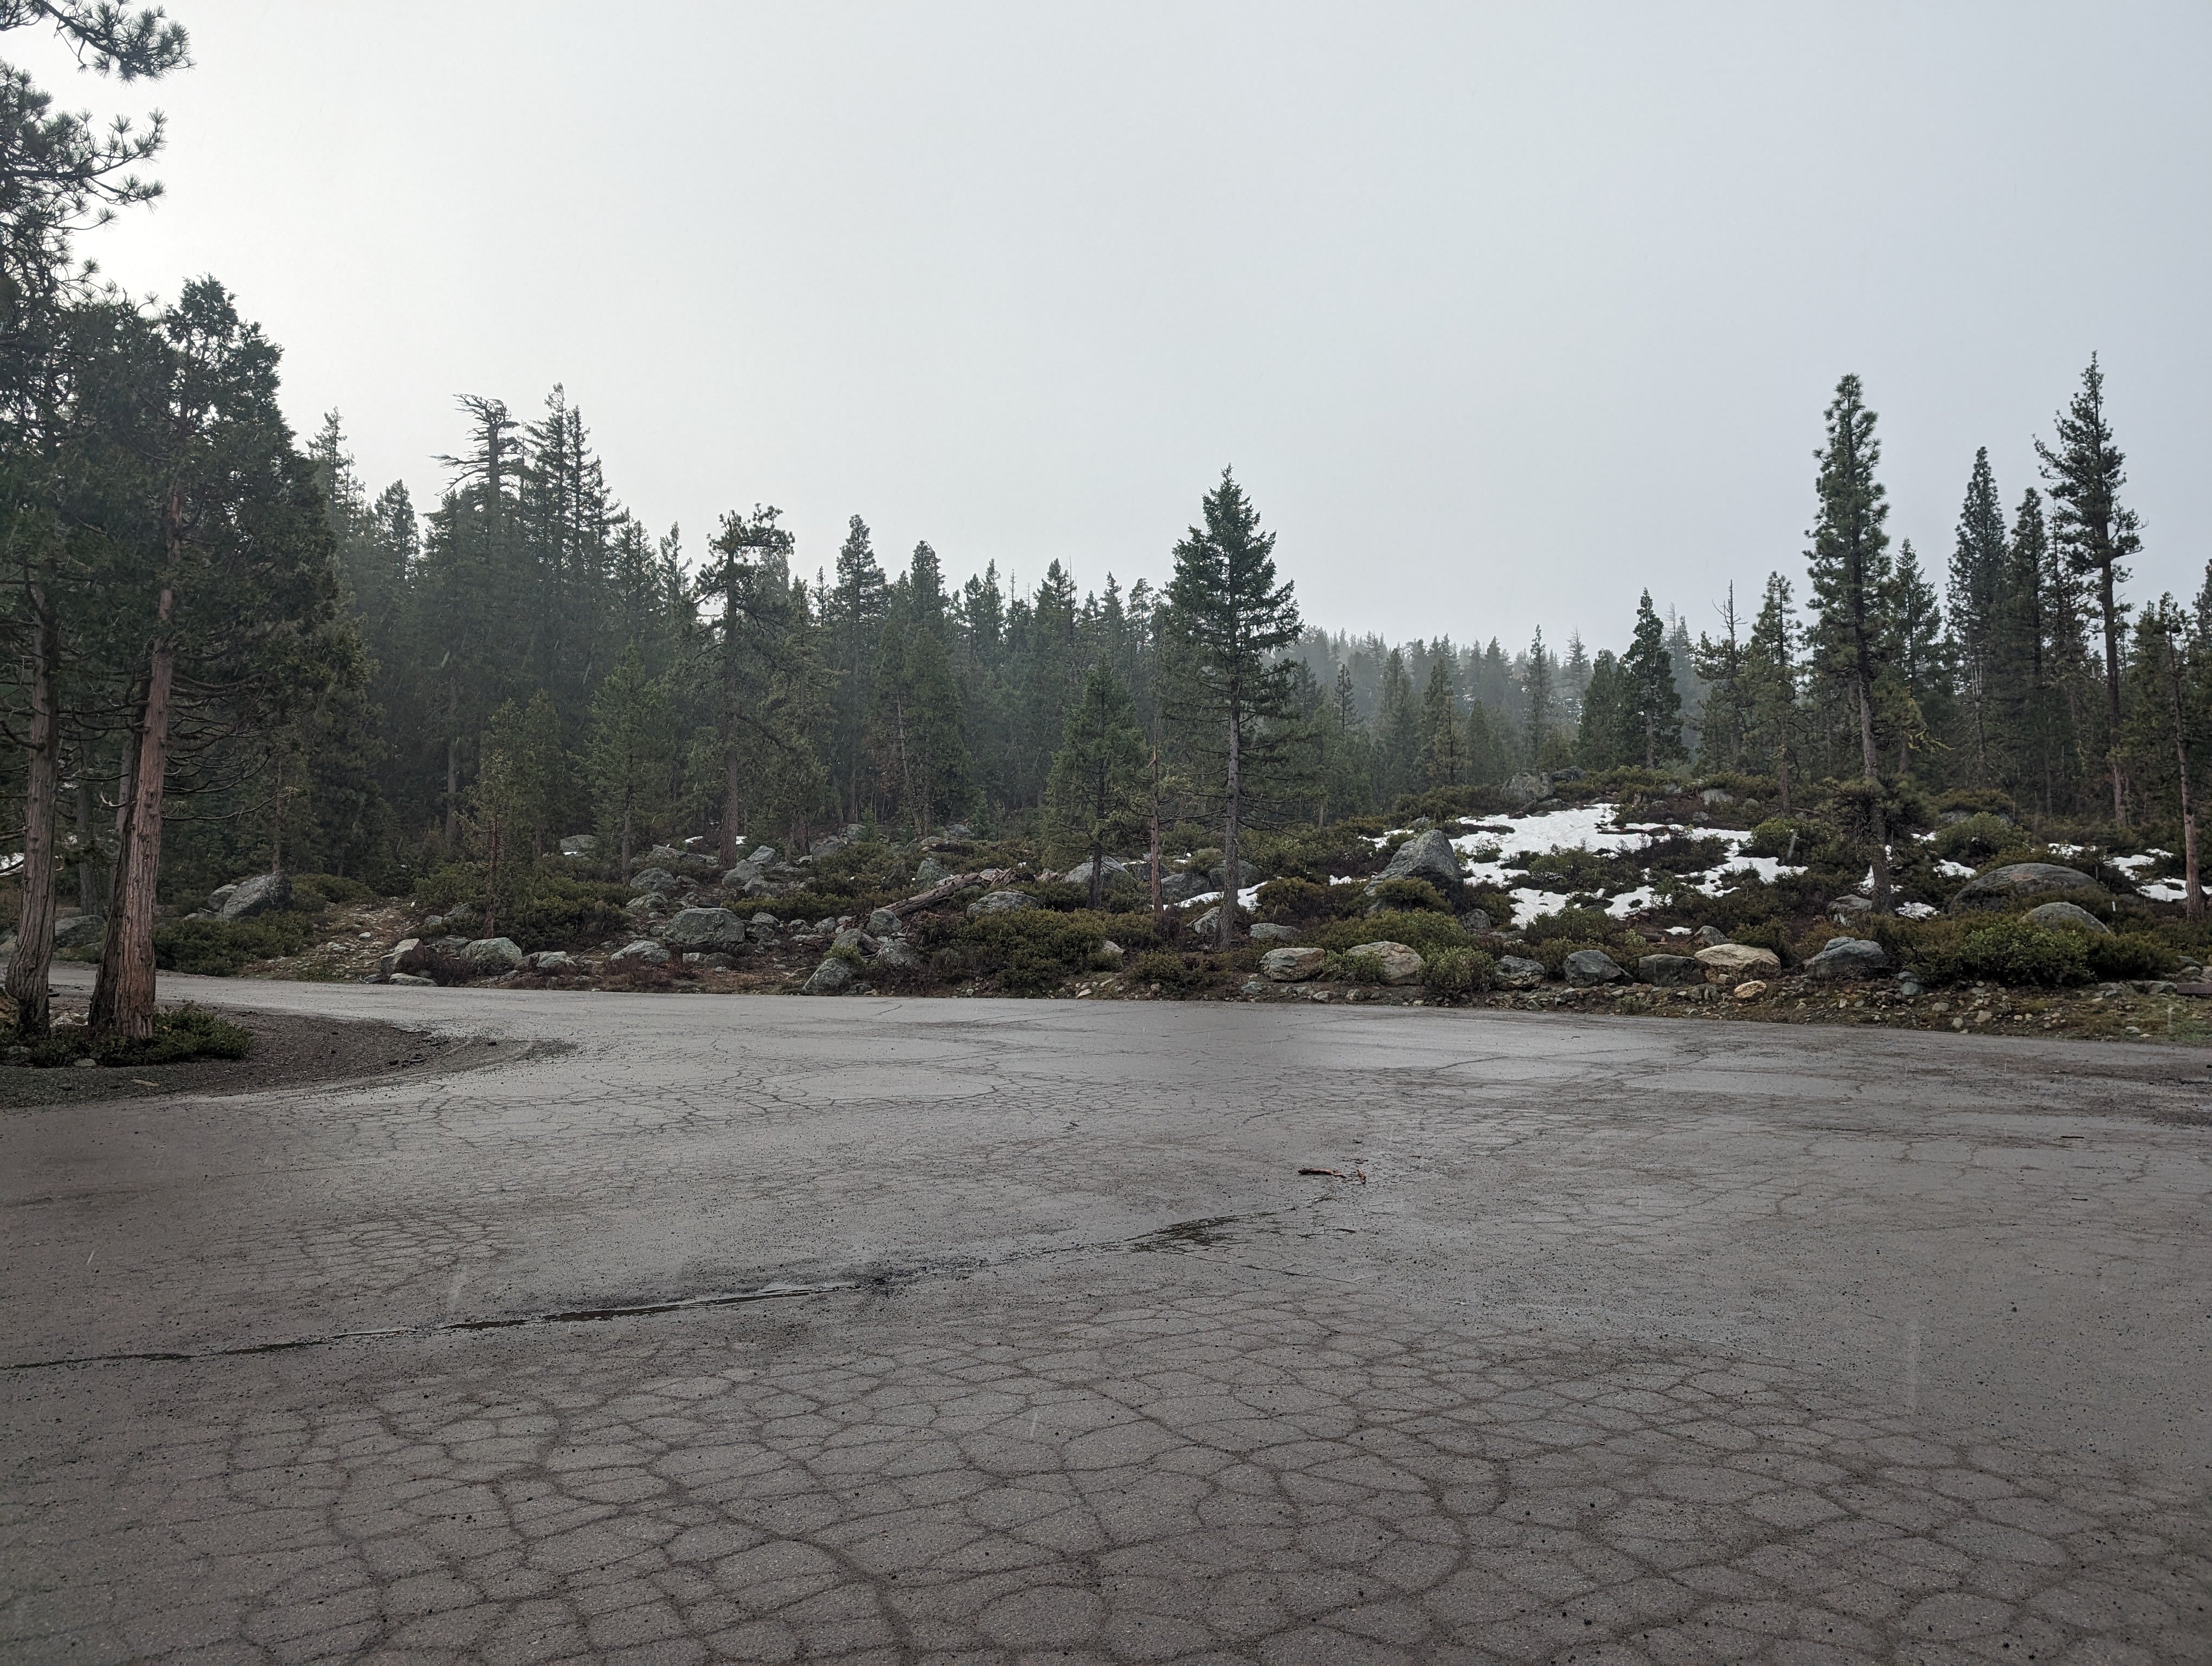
pixel 2095 533
pixel 1237 619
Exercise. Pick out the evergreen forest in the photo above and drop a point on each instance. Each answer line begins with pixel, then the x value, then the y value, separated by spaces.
pixel 229 654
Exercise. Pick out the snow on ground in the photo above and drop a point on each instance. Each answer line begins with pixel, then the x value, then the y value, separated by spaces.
pixel 1247 899
pixel 2163 891
pixel 1954 870
pixel 1918 910
pixel 1492 844
pixel 2068 849
pixel 2133 865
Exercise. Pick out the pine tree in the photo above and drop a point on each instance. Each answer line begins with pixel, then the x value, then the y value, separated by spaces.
pixel 1917 684
pixel 1398 731
pixel 1654 706
pixel 2165 717
pixel 1770 676
pixel 853 613
pixel 1979 590
pixel 1720 664
pixel 1443 756
pixel 2095 534
pixel 1238 620
pixel 1605 719
pixel 1539 699
pixel 1096 794
pixel 1851 576
pixel 630 755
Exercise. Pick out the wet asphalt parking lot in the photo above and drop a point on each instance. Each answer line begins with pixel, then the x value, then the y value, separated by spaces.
pixel 860 1329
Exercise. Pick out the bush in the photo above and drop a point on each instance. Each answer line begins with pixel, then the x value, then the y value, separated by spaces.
pixel 2133 955
pixel 1454 972
pixel 1978 841
pixel 1791 839
pixel 1578 923
pixel 217 948
pixel 1034 950
pixel 1424 932
pixel 1353 967
pixel 1176 975
pixel 558 911
pixel 1303 903
pixel 1551 953
pixel 1394 895
pixel 185 1032
pixel 1768 934
pixel 330 888
pixel 2001 952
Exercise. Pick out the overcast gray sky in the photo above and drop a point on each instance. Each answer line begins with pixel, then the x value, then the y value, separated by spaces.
pixel 1500 313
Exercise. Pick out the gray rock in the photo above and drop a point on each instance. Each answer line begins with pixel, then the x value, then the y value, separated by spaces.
pixel 1400 964
pixel 2070 916
pixel 831 975
pixel 579 845
pixel 1080 873
pixel 551 960
pixel 80 931
pixel 1249 875
pixel 411 980
pixel 264 893
pixel 404 955
pixel 2000 887
pixel 929 871
pixel 1266 931
pixel 999 901
pixel 1182 887
pixel 1850 906
pixel 828 846
pixel 692 864
pixel 765 921
pixel 1739 960
pixel 883 923
pixel 1573 772
pixel 737 877
pixel 1209 922
pixel 2152 986
pixel 1709 936
pixel 705 931
pixel 1669 970
pixel 1524 789
pixel 897 954
pixel 448 948
pixel 493 954
pixel 1426 856
pixel 644 951
pixel 1475 920
pixel 1519 972
pixel 959 833
pixel 1848 957
pixel 219 896
pixel 1585 967
pixel 852 937
pixel 1112 951
pixel 656 880
pixel 1716 795
pixel 1292 965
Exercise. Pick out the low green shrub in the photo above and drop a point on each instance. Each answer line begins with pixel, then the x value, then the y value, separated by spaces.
pixel 1580 923
pixel 2133 954
pixel 217 948
pixel 2002 951
pixel 330 888
pixel 1349 968
pixel 1768 934
pixel 1033 950
pixel 1403 894
pixel 559 911
pixel 1791 838
pixel 1176 975
pixel 1305 903
pixel 1551 953
pixel 1455 972
pixel 180 1034
pixel 1423 931
pixel 1978 841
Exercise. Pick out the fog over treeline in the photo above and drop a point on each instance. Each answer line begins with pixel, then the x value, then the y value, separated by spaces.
pixel 228 653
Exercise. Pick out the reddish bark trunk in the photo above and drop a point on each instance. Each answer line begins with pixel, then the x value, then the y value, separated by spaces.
pixel 122 1001
pixel 34 931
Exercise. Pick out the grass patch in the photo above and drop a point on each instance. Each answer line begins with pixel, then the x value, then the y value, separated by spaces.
pixel 179 1035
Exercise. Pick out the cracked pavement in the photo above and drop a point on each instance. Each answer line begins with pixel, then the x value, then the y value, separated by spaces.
pixel 860 1329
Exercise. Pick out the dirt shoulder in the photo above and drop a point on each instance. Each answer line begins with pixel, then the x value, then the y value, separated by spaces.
pixel 289 1050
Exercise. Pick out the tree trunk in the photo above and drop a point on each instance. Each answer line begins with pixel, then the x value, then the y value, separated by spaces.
pixel 34 931
pixel 733 804
pixel 91 881
pixel 452 764
pixel 1153 853
pixel 1225 924
pixel 1873 762
pixel 1781 775
pixel 625 839
pixel 2192 892
pixel 2113 695
pixel 122 1002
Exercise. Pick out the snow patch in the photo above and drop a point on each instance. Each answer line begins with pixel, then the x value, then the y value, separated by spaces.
pixel 1953 871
